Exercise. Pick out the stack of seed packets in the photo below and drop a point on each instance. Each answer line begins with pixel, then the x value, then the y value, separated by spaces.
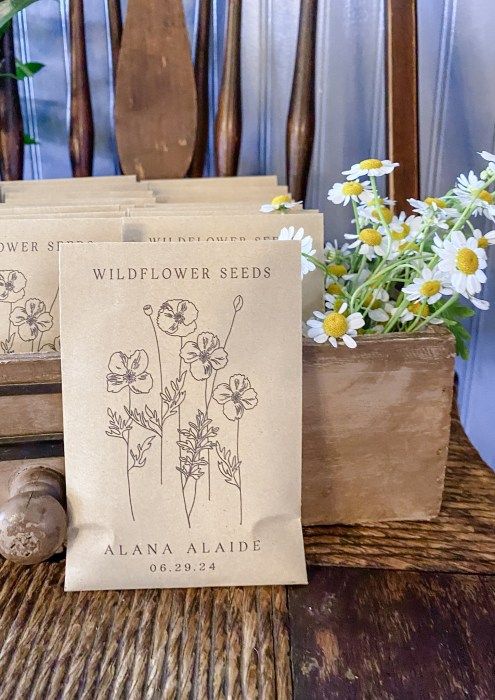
pixel 37 216
pixel 182 414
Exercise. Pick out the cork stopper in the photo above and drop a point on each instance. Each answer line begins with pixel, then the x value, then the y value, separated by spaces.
pixel 33 522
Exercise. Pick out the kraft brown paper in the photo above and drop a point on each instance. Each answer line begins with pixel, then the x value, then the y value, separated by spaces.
pixel 29 313
pixel 213 329
pixel 232 227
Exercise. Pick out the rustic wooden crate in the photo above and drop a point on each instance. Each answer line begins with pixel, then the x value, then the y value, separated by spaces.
pixel 376 424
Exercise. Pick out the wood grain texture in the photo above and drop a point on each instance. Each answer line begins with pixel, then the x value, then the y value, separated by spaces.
pixel 460 539
pixel 11 130
pixel 201 77
pixel 402 100
pixel 155 102
pixel 115 27
pixel 81 130
pixel 194 643
pixel 301 119
pixel 388 635
pixel 376 428
pixel 228 123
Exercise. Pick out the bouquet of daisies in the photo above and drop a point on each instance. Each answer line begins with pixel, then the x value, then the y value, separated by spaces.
pixel 401 273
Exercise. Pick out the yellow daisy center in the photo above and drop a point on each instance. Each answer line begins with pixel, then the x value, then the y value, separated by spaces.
pixel 352 188
pixel 385 214
pixel 430 288
pixel 403 233
pixel 408 246
pixel 335 325
pixel 281 199
pixel 419 309
pixel 369 301
pixel 370 236
pixel 466 261
pixel 482 242
pixel 370 164
pixel 334 288
pixel 336 270
pixel 486 196
pixel 435 200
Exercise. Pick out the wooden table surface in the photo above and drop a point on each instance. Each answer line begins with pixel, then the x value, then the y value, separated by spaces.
pixel 403 610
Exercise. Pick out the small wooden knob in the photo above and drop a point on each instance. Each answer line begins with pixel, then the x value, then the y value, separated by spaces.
pixel 33 522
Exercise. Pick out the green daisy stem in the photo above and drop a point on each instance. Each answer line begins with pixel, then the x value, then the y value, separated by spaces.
pixel 438 312
pixel 356 217
pixel 396 315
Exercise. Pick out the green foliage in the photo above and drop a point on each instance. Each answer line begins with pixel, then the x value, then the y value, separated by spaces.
pixel 27 70
pixel 29 140
pixel 8 10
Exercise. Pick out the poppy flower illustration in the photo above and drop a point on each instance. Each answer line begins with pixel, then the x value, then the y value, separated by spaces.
pixel 129 372
pixel 204 356
pixel 12 285
pixel 236 397
pixel 32 319
pixel 177 317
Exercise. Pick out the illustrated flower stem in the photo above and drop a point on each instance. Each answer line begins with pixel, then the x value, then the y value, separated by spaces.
pixel 127 466
pixel 161 392
pixel 49 311
pixel 240 480
pixel 209 469
pixel 183 481
pixel 10 322
pixel 224 345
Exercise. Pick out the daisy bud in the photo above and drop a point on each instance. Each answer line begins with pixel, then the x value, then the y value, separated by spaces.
pixel 238 303
pixel 148 310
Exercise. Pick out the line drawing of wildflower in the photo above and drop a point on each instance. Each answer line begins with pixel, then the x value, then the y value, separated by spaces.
pixel 236 397
pixel 31 320
pixel 128 372
pixel 193 442
pixel 176 317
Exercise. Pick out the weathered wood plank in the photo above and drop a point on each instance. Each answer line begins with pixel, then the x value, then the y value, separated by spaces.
pixel 155 101
pixel 388 635
pixel 301 119
pixel 228 123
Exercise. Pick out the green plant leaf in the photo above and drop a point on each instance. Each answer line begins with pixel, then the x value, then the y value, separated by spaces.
pixel 8 9
pixel 462 338
pixel 29 140
pixel 27 70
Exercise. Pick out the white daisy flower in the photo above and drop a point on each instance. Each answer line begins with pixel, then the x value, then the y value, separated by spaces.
pixel 344 192
pixel 484 239
pixel 462 261
pixel 332 250
pixel 467 187
pixel 490 170
pixel 370 166
pixel 429 287
pixel 480 303
pixel 290 234
pixel 280 203
pixel 334 326
pixel 370 242
pixel 405 228
pixel 374 302
pixel 436 211
pixel 358 278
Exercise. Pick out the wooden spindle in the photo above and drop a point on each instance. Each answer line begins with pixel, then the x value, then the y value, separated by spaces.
pixel 33 522
pixel 301 119
pixel 228 123
pixel 115 26
pixel 402 102
pixel 11 130
pixel 81 134
pixel 201 78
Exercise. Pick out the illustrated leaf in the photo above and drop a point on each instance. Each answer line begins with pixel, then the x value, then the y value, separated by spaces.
pixel 195 441
pixel 118 426
pixel 138 459
pixel 150 421
pixel 173 396
pixel 228 465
